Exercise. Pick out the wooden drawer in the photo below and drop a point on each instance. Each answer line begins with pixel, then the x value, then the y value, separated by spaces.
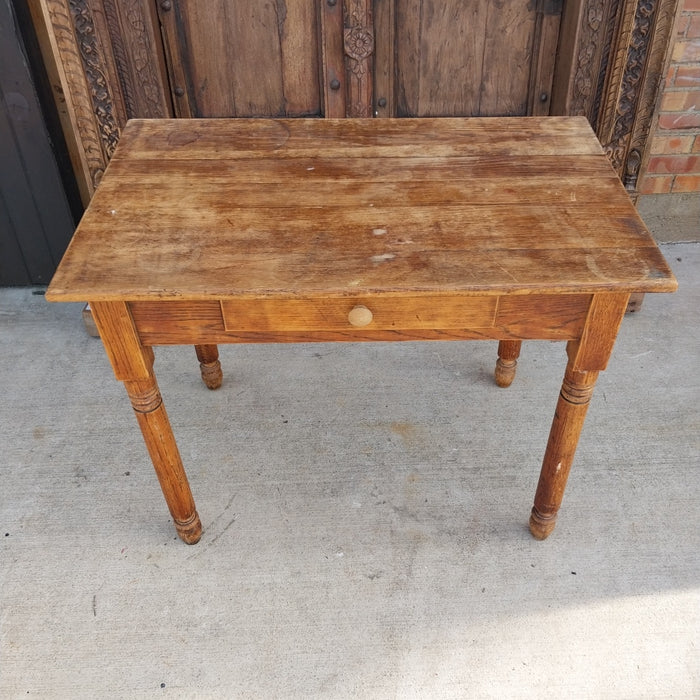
pixel 439 312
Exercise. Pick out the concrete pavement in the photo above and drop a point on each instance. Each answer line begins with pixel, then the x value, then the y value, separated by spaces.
pixel 365 511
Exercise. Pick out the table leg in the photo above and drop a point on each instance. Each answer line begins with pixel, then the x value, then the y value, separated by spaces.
pixel 508 353
pixel 574 399
pixel 587 357
pixel 209 365
pixel 133 364
pixel 158 436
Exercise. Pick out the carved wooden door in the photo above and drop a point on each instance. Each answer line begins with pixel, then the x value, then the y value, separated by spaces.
pixel 109 60
pixel 360 57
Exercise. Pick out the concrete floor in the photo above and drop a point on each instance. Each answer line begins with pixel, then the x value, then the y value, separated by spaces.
pixel 365 511
pixel 672 218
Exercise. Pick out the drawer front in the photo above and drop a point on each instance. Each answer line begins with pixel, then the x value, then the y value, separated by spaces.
pixel 437 312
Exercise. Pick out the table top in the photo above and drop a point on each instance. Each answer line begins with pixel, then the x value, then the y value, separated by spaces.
pixel 228 208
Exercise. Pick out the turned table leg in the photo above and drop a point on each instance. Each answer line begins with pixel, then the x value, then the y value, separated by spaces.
pixel 209 365
pixel 574 398
pixel 158 436
pixel 587 356
pixel 133 364
pixel 508 353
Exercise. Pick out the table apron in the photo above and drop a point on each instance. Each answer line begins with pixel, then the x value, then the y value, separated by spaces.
pixel 324 319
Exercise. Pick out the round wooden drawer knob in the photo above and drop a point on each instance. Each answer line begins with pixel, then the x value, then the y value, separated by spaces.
pixel 360 316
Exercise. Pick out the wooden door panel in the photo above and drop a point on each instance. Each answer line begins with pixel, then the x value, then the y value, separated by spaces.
pixel 451 58
pixel 439 48
pixel 243 59
pixel 508 56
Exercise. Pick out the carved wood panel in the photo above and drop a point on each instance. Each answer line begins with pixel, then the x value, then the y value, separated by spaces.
pixel 610 68
pixel 358 46
pixel 104 59
pixel 107 60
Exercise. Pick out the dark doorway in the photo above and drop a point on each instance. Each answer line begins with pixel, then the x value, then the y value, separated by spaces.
pixel 36 220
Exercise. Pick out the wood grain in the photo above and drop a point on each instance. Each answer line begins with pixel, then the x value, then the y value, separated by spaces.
pixel 402 312
pixel 105 58
pixel 242 59
pixel 222 209
pixel 592 350
pixel 508 353
pixel 133 364
pixel 129 360
pixel 531 316
pixel 480 59
pixel 224 231
pixel 507 59
pixel 572 406
pixel 334 85
pixel 231 140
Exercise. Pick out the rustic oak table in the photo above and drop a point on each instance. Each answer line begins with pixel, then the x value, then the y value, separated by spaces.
pixel 274 231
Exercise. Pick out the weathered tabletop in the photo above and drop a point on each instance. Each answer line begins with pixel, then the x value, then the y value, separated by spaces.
pixel 211 231
pixel 202 209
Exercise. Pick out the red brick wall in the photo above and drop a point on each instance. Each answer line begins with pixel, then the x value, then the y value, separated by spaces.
pixel 674 160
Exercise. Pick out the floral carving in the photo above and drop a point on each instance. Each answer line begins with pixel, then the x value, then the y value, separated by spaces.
pixel 359 43
pixel 631 83
pixel 609 33
pixel 102 103
pixel 617 69
pixel 132 49
pixel 595 16
pixel 585 77
pixel 634 162
pixel 76 94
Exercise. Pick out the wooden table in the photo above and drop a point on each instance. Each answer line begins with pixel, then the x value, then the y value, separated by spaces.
pixel 274 231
